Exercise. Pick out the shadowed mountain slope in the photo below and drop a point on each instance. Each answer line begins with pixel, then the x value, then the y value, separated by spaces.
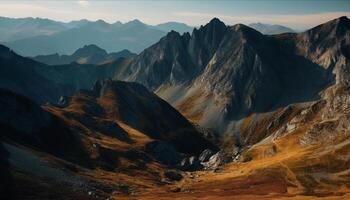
pixel 116 131
pixel 44 83
pixel 134 105
pixel 19 74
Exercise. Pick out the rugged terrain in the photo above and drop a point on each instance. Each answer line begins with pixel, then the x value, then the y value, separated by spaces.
pixel 259 117
pixel 220 74
pixel 93 143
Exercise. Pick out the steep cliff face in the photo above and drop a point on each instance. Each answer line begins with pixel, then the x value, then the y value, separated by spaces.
pixel 250 73
pixel 219 75
pixel 175 59
pixel 326 45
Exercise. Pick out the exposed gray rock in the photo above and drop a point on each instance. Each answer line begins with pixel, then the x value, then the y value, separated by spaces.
pixel 205 155
pixel 218 159
pixel 63 101
pixel 236 70
pixel 191 164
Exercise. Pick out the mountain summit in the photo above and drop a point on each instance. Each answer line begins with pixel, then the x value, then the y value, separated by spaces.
pixel 220 74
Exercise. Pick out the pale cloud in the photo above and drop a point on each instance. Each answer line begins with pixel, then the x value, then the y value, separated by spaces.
pixel 25 10
pixel 295 21
pixel 83 3
pixel 29 10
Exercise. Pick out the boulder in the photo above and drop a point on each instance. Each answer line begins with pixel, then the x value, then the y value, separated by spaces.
pixel 205 155
pixel 191 164
pixel 63 101
pixel 218 159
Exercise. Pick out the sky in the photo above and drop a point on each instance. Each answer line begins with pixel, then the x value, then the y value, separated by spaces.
pixel 298 14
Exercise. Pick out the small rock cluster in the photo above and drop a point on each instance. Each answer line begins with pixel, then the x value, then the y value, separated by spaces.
pixel 210 160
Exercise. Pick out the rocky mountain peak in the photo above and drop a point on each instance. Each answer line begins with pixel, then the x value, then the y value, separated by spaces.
pixel 173 34
pixel 102 22
pixel 216 21
pixel 88 50
pixel 343 24
pixel 135 22
pixel 334 28
pixel 343 20
pixel 214 27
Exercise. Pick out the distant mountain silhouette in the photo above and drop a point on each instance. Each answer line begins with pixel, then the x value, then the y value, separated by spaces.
pixel 176 26
pixel 269 29
pixel 12 29
pixel 37 36
pixel 89 54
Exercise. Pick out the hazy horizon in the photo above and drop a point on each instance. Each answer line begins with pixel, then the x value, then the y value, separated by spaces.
pixel 294 14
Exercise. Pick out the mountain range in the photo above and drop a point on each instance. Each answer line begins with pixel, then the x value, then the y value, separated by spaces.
pixel 89 54
pixel 37 36
pixel 221 74
pixel 225 72
pixel 275 107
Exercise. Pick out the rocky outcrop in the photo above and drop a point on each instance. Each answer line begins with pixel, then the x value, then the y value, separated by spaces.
pixel 205 155
pixel 190 164
pixel 221 158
